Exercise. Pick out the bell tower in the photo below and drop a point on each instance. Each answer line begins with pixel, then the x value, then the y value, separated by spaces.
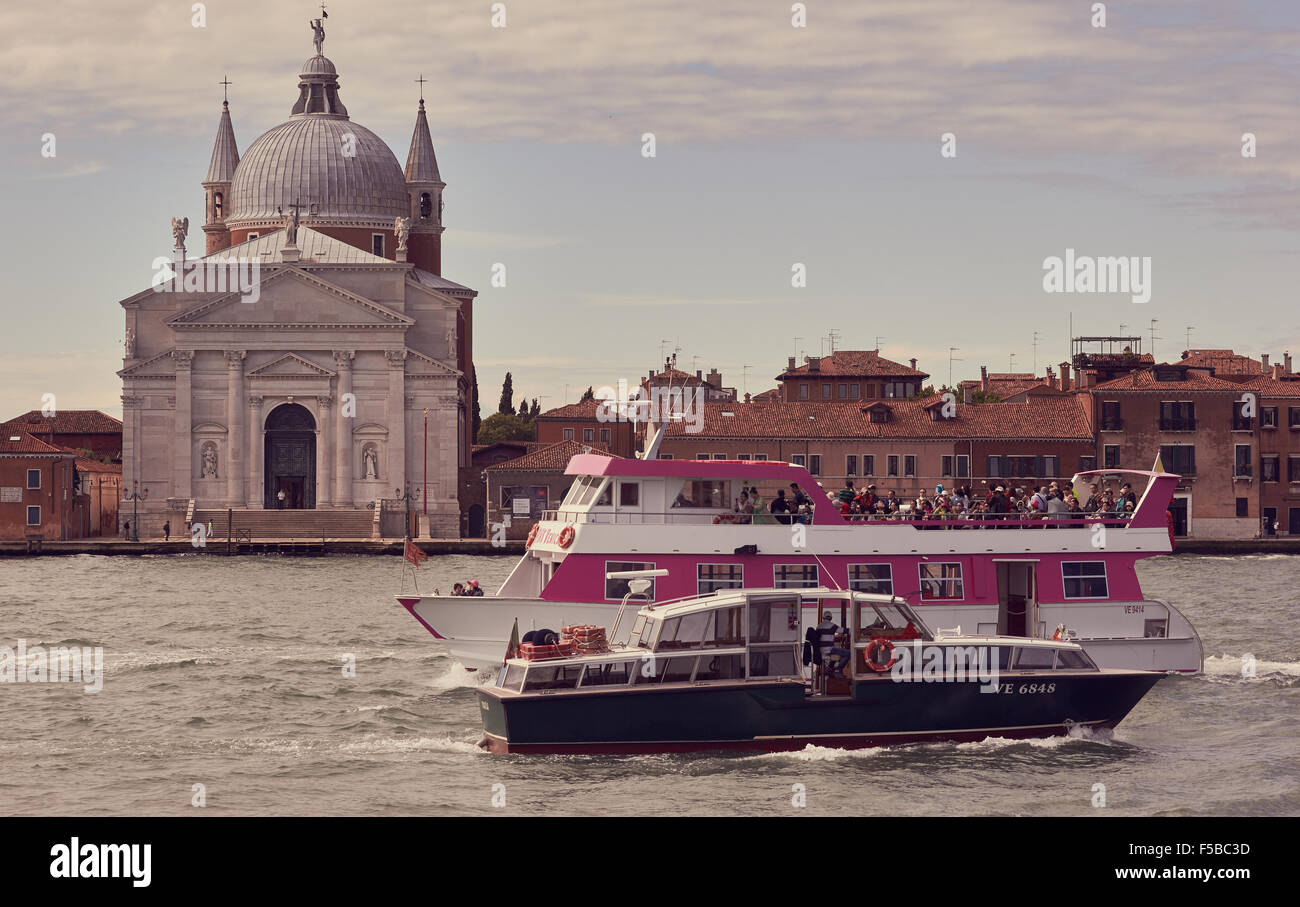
pixel 424 187
pixel 216 185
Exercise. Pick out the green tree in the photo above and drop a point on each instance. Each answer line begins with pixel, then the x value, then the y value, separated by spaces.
pixel 507 404
pixel 537 410
pixel 474 408
pixel 984 397
pixel 504 427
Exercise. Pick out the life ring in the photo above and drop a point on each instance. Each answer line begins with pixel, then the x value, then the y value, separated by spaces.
pixel 532 535
pixel 566 537
pixel 876 646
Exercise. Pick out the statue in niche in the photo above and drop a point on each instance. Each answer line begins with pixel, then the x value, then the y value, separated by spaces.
pixel 209 457
pixel 130 343
pixel 451 342
pixel 369 462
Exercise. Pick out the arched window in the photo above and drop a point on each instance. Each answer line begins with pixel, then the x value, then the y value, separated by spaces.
pixel 426 205
pixel 217 201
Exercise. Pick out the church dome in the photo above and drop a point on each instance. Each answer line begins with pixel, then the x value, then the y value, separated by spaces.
pixel 318 157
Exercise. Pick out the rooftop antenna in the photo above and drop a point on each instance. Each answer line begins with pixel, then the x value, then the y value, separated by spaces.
pixel 1011 363
pixel 225 83
pixel 744 371
pixel 951 360
pixel 878 339
pixel 662 344
pixel 1035 346
pixel 695 361
pixel 1190 328
pixel 833 334
pixel 1154 338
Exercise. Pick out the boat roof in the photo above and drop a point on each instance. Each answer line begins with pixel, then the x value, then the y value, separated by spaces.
pixel 601 465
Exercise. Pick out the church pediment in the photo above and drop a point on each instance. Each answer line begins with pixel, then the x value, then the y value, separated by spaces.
pixel 420 365
pixel 291 298
pixel 160 366
pixel 290 365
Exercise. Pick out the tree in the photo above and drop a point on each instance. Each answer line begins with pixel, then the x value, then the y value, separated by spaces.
pixel 537 410
pixel 507 404
pixel 504 427
pixel 523 410
pixel 984 397
pixel 474 408
pixel 589 395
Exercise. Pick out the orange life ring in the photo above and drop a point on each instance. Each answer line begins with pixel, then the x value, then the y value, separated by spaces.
pixel 566 537
pixel 532 534
pixel 875 646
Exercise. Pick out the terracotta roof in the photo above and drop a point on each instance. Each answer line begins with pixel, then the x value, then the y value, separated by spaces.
pixel 767 396
pixel 677 376
pixel 26 443
pixel 585 409
pixel 854 364
pixel 552 458
pixel 70 422
pixel 1268 386
pixel 1052 417
pixel 84 465
pixel 1224 362
pixel 1144 380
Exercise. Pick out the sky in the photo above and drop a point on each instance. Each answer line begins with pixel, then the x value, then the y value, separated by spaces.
pixel 774 146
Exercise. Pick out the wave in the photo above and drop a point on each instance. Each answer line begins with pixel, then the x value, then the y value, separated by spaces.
pixel 813 753
pixel 458 677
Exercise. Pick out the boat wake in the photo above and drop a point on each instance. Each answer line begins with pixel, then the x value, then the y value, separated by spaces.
pixel 1237 669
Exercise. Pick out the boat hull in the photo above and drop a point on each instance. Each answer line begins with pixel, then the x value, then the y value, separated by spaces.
pixel 773 716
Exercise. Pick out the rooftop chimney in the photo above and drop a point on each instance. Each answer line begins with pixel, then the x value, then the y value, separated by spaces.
pixel 699 375
pixel 715 378
pixel 790 367
pixel 1286 363
pixel 815 364
pixel 1065 376
pixel 1051 378
pixel 746 398
pixel 1263 363
pixel 984 378
pixel 965 393
pixel 913 361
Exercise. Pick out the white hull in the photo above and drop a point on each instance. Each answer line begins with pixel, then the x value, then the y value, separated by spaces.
pixel 475 631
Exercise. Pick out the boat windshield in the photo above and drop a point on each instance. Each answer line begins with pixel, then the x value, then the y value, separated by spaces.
pixel 876 619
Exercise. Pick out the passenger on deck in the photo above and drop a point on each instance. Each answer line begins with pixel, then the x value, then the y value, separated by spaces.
pixel 780 507
pixel 473 588
pixel 458 589
pixel 827 632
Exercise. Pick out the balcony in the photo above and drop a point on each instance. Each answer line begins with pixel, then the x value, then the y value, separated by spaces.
pixel 1112 424
pixel 1178 425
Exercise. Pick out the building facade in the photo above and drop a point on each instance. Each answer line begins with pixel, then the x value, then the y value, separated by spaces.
pixel 310 391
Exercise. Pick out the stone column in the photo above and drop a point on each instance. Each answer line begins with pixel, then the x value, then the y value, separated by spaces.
pixel 182 448
pixel 256 453
pixel 236 447
pixel 346 419
pixel 324 454
pixel 396 413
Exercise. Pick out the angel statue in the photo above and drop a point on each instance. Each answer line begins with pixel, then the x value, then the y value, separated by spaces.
pixel 179 230
pixel 402 227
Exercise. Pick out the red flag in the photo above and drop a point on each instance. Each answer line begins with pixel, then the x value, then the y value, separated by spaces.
pixel 414 554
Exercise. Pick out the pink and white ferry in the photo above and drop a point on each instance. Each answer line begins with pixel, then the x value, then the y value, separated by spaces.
pixel 1011 577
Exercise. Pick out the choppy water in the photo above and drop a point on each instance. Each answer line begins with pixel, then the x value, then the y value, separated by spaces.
pixel 228 673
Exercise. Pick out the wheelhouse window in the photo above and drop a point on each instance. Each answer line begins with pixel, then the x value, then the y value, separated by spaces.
pixel 794 576
pixel 941 582
pixel 877 578
pixel 1034 658
pixel 1084 579
pixel 687 631
pixel 728 628
pixel 615 589
pixel 1070 660
pixel 712 577
pixel 514 677
pixel 552 677
pixel 721 667
pixel 608 673
pixel 629 494
pixel 710 493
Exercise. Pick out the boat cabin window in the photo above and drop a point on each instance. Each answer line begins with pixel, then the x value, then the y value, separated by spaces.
pixel 886 621
pixel 552 677
pixel 1068 659
pixel 685 632
pixel 615 589
pixel 646 635
pixel 774 620
pixel 711 493
pixel 629 494
pixel 1084 579
pixel 727 628
pixel 721 667
pixel 666 670
pixel 940 581
pixel 608 673
pixel 1034 658
pixel 772 661
pixel 606 496
pixel 514 676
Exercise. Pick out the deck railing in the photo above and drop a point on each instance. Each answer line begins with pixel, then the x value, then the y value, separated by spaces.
pixel 702 516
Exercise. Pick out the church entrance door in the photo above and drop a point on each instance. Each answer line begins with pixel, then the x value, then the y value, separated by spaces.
pixel 290 458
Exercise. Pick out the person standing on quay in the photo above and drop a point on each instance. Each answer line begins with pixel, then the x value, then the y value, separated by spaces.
pixel 167 531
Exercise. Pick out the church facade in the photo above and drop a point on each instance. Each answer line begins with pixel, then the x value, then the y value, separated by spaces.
pixel 313 391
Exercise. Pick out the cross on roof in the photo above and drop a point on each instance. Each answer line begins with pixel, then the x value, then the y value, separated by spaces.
pixel 422 80
pixel 225 83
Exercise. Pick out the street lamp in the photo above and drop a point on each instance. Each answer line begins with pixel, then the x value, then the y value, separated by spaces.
pixel 135 497
pixel 406 497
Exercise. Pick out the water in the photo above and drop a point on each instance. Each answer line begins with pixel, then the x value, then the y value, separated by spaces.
pixel 229 673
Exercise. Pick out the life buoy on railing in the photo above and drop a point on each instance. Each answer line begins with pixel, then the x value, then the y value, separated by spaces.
pixel 877 647
pixel 532 535
pixel 566 537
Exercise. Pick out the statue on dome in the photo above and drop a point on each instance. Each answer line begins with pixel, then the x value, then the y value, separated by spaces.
pixel 180 228
pixel 318 34
pixel 402 227
pixel 291 226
